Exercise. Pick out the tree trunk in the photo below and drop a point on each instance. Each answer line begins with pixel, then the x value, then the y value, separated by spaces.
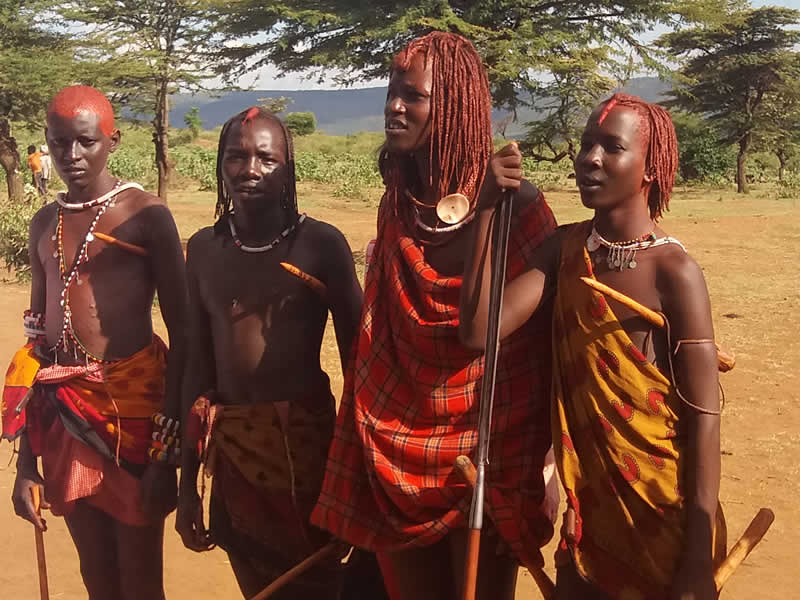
pixel 782 165
pixel 160 139
pixel 9 159
pixel 741 160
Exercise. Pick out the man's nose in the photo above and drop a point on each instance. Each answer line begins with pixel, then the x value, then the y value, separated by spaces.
pixel 395 105
pixel 252 170
pixel 593 156
pixel 73 151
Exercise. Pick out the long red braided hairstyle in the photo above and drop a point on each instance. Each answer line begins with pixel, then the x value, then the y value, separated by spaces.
pixel 661 141
pixel 460 144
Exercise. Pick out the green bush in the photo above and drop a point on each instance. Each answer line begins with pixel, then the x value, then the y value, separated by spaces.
pixel 702 156
pixel 15 222
pixel 197 163
pixel 301 123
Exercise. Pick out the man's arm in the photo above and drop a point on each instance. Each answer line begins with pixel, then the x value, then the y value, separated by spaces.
pixel 199 377
pixel 522 296
pixel 344 292
pixel 27 468
pixel 687 305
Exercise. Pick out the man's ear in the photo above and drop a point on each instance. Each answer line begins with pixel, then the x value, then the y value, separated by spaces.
pixel 649 177
pixel 116 140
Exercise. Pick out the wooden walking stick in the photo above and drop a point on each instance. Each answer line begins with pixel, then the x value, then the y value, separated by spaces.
pixel 297 570
pixel 750 538
pixel 44 592
pixel 500 233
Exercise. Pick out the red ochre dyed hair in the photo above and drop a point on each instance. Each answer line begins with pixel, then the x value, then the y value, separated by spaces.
pixel 461 118
pixel 658 134
pixel 76 99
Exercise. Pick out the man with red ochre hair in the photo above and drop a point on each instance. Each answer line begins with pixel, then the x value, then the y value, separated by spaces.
pixel 411 398
pixel 95 394
pixel 635 411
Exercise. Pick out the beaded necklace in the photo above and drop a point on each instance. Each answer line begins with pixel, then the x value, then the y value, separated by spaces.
pixel 622 255
pixel 68 337
pixel 256 249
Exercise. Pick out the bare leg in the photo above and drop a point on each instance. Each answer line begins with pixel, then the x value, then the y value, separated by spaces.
pixel 140 552
pixel 92 531
pixel 423 573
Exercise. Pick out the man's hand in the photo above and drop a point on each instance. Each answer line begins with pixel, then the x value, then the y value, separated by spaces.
pixel 159 490
pixel 694 581
pixel 22 496
pixel 189 522
pixel 504 173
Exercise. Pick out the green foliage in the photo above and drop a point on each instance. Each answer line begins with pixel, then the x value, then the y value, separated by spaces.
pixel 15 221
pixel 193 122
pixel 133 162
pixel 301 123
pixel 197 163
pixel 703 157
pixel 276 104
pixel 733 67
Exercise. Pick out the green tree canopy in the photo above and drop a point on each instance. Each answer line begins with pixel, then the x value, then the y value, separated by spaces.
pixel 152 49
pixel 780 134
pixel 301 123
pixel 34 64
pixel 731 70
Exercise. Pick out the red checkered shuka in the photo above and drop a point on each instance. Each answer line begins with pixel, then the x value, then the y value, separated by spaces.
pixel 410 407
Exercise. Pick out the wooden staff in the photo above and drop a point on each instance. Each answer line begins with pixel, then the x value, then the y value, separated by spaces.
pixel 749 540
pixel 500 233
pixel 297 570
pixel 466 470
pixel 44 592
pixel 755 531
pixel 725 360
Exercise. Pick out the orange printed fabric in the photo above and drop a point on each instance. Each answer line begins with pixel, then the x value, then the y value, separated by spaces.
pixel 110 407
pixel 410 407
pixel 35 162
pixel 20 376
pixel 617 441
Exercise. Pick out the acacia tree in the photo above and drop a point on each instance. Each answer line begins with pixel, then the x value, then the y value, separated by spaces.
pixel 519 40
pixel 156 47
pixel 732 68
pixel 780 134
pixel 33 65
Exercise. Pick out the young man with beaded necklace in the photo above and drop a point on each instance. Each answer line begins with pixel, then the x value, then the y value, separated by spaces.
pixel 98 256
pixel 261 283
pixel 635 406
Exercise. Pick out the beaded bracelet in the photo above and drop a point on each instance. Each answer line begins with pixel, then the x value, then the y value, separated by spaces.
pixel 166 440
pixel 33 324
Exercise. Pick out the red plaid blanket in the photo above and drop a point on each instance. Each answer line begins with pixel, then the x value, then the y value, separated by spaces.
pixel 410 407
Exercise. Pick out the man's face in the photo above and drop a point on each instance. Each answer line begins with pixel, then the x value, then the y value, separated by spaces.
pixel 610 166
pixel 254 160
pixel 408 107
pixel 78 147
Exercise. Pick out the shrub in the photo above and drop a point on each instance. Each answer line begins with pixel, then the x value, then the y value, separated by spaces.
pixel 301 123
pixel 15 222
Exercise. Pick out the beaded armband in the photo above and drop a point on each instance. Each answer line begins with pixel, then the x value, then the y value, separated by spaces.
pixel 166 444
pixel 33 325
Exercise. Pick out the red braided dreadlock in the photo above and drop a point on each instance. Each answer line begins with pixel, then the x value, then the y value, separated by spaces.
pixel 461 122
pixel 661 142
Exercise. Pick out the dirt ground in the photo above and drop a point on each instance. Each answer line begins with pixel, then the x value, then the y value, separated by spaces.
pixel 747 246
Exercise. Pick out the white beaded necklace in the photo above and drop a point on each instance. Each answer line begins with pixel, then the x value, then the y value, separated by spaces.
pixel 61 197
pixel 256 249
pixel 622 255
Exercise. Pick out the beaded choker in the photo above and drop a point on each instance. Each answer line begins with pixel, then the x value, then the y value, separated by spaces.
pixel 256 249
pixel 622 255
pixel 61 197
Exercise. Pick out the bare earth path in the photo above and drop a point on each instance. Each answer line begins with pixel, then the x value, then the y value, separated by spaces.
pixel 748 248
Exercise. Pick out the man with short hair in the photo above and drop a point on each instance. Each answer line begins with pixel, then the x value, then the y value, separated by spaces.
pixel 35 165
pixel 95 394
pixel 47 166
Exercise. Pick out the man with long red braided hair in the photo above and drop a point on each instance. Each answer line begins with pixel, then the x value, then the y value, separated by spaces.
pixel 410 402
pixel 635 411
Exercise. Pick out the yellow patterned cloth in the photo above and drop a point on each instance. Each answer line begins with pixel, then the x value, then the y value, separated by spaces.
pixel 618 442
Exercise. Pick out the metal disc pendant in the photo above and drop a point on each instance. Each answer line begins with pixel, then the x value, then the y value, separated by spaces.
pixel 90 237
pixel 632 264
pixel 55 254
pixel 592 243
pixel 453 208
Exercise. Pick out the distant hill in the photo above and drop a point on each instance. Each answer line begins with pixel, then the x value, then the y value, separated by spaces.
pixel 341 112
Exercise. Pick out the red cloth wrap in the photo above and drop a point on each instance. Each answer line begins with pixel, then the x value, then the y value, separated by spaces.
pixel 410 407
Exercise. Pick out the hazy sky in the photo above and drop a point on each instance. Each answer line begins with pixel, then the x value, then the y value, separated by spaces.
pixel 266 78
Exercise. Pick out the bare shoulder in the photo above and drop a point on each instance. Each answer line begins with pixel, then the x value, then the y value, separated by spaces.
pixel 324 236
pixel 200 244
pixel 42 220
pixel 680 280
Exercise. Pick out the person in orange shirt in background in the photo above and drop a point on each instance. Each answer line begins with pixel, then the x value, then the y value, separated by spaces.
pixel 35 165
